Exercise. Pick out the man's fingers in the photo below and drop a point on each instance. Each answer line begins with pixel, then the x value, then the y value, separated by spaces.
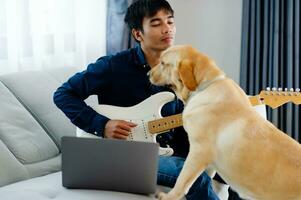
pixel 127 126
pixel 122 132
pixel 120 136
pixel 124 127
pixel 132 124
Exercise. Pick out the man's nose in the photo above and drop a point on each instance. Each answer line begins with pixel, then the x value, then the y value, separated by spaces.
pixel 167 28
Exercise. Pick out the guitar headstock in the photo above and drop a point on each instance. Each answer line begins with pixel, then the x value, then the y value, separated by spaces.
pixel 276 97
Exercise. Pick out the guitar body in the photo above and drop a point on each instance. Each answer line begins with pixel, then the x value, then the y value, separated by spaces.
pixel 140 114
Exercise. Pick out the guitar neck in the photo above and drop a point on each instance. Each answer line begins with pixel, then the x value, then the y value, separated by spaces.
pixel 164 124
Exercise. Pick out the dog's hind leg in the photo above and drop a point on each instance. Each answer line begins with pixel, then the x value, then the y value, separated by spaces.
pixel 192 169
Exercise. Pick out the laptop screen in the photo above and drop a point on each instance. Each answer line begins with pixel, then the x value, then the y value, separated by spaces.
pixel 109 164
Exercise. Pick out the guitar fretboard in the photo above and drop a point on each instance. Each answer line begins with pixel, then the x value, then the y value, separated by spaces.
pixel 164 124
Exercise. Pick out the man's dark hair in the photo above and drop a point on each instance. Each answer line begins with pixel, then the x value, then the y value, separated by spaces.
pixel 144 8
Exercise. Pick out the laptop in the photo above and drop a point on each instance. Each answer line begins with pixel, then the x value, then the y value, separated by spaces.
pixel 108 164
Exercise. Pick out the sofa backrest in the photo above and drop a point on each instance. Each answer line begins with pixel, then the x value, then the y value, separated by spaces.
pixel 31 126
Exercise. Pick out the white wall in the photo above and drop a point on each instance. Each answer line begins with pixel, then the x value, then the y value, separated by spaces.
pixel 213 27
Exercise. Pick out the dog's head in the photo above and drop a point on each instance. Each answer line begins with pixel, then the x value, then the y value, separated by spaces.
pixel 183 68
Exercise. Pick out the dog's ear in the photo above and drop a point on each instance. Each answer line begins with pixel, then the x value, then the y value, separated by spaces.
pixel 186 73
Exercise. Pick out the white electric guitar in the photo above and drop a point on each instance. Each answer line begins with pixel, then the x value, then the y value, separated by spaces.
pixel 147 114
pixel 140 114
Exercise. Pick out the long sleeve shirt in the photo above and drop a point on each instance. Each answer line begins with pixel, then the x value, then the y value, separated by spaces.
pixel 118 80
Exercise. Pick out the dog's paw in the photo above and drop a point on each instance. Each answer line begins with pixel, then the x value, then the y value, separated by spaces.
pixel 164 196
pixel 161 196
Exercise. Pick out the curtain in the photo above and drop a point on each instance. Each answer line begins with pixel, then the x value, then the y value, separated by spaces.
pixel 37 34
pixel 270 55
pixel 119 36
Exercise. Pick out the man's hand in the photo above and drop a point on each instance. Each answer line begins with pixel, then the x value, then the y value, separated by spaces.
pixel 118 129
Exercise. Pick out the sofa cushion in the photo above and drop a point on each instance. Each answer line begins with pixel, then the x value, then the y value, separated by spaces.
pixel 34 89
pixel 30 124
pixel 50 187
pixel 21 133
pixel 11 170
pixel 23 140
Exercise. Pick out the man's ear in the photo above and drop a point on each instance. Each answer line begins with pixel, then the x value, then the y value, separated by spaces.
pixel 186 73
pixel 137 34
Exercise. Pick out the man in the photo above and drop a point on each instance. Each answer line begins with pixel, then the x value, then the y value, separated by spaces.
pixel 121 80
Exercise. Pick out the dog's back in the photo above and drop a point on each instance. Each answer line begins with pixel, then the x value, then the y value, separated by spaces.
pixel 264 160
pixel 251 152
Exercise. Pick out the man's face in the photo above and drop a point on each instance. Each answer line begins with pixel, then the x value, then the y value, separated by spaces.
pixel 158 31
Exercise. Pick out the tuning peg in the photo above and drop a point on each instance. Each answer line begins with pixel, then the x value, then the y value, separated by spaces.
pixel 291 89
pixel 280 89
pixel 274 89
pixel 285 89
pixel 268 89
pixel 297 90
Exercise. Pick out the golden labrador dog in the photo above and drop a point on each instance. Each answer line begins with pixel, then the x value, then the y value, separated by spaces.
pixel 255 158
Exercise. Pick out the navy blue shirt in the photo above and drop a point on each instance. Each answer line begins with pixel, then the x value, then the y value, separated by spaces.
pixel 119 80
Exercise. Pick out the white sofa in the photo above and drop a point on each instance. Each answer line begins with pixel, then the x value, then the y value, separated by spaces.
pixel 31 127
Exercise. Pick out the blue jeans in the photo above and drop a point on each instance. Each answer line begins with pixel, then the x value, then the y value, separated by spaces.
pixel 168 171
